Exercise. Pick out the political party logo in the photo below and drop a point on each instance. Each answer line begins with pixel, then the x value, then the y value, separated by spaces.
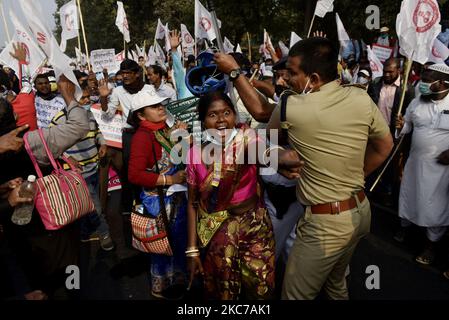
pixel 125 24
pixel 27 51
pixel 425 16
pixel 206 24
pixel 69 21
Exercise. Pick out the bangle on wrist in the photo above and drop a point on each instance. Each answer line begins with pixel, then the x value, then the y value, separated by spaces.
pixel 165 180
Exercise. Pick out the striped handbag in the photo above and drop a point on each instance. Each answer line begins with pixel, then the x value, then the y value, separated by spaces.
pixel 62 197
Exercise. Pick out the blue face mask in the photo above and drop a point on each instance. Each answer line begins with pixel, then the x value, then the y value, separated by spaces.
pixel 86 107
pixel 425 90
pixel 119 83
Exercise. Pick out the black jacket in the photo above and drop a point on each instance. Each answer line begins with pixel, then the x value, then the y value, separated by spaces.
pixel 374 92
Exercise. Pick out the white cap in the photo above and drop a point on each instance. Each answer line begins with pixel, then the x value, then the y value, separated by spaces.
pixel 31 178
pixel 384 29
pixel 365 72
pixel 439 67
pixel 146 97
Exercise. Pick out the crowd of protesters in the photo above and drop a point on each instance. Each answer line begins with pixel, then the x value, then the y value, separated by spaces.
pixel 288 234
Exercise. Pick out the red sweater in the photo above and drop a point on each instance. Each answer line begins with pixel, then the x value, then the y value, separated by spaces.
pixel 23 106
pixel 142 157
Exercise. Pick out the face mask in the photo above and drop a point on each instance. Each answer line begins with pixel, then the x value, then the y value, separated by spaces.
pixel 362 80
pixel 229 137
pixel 119 83
pixel 86 107
pixel 304 92
pixel 384 36
pixel 424 88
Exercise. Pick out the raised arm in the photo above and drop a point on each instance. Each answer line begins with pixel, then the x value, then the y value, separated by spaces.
pixel 257 106
pixel 61 137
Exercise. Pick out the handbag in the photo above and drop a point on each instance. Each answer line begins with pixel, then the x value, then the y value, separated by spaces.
pixel 62 197
pixel 150 234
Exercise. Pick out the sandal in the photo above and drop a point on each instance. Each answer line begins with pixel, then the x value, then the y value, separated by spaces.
pixel 426 258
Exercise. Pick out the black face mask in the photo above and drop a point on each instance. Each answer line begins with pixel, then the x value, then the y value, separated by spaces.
pixel 279 89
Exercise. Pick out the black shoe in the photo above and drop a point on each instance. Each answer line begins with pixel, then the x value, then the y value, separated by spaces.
pixel 400 235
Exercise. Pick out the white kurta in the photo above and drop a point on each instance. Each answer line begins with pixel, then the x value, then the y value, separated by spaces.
pixel 424 195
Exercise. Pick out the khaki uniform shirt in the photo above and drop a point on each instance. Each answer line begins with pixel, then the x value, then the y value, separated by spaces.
pixel 330 129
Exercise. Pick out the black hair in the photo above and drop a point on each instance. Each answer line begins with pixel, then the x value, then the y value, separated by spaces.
pixel 79 75
pixel 158 70
pixel 206 100
pixel 393 61
pixel 41 76
pixel 318 55
pixel 4 79
pixel 7 120
pixel 129 64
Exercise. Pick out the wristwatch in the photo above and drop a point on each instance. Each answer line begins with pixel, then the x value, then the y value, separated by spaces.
pixel 234 74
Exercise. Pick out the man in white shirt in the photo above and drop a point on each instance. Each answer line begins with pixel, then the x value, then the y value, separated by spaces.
pixel 47 103
pixel 120 99
pixel 424 195
pixel 155 76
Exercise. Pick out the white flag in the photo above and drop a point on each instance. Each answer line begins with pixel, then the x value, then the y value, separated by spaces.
pixel 417 26
pixel 204 28
pixel 69 22
pixel 160 30
pixel 80 57
pixel 45 39
pixel 228 46
pixel 186 37
pixel 34 55
pixel 439 52
pixel 294 38
pixel 283 48
pixel 160 55
pixel 342 34
pixel 167 39
pixel 151 57
pixel 122 22
pixel 120 57
pixel 135 56
pixel 266 44
pixel 140 52
pixel 238 50
pixel 375 64
pixel 323 7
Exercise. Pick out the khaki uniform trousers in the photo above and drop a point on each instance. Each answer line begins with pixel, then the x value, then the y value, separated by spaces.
pixel 322 251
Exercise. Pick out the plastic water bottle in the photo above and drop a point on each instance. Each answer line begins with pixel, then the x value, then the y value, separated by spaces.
pixel 23 212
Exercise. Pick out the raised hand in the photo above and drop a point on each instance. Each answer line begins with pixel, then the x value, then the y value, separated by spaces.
pixel 103 88
pixel 175 39
pixel 319 34
pixel 19 53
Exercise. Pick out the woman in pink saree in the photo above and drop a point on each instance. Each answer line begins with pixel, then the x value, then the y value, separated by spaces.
pixel 226 216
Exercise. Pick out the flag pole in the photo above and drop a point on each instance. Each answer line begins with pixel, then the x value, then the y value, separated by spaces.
pixel 311 24
pixel 249 46
pixel 124 46
pixel 4 21
pixel 386 165
pixel 84 35
pixel 229 86
pixel 408 67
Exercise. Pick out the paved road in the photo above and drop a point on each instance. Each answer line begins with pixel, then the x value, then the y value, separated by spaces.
pixel 123 273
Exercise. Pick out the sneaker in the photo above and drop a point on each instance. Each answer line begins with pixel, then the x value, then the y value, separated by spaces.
pixel 106 243
pixel 92 237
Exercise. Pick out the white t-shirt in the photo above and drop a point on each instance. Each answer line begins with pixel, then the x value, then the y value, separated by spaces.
pixel 47 109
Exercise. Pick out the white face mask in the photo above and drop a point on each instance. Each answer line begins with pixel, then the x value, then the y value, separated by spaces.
pixel 362 80
pixel 304 92
pixel 229 137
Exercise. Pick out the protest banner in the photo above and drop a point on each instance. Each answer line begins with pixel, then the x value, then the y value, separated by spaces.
pixel 104 58
pixel 110 128
pixel 185 110
pixel 382 52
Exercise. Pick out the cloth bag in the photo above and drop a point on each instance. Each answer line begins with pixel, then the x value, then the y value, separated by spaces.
pixel 62 197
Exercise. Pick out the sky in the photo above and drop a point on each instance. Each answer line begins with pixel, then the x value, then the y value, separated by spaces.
pixel 49 7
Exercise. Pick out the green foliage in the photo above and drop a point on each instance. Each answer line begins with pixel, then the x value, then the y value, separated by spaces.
pixel 238 17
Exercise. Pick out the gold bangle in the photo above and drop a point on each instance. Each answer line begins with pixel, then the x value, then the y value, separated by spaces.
pixel 193 255
pixel 192 248
pixel 165 180
pixel 192 251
